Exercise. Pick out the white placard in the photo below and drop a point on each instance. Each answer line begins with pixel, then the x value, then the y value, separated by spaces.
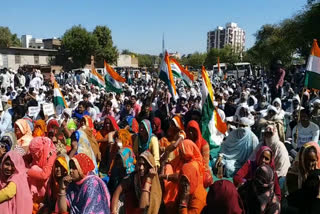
pixel 48 109
pixel 33 111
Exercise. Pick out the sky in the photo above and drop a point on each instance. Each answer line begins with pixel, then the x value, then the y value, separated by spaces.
pixel 138 25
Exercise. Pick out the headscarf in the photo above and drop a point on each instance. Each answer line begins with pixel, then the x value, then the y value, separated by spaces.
pixel 90 132
pixel 158 131
pixel 200 141
pixel 53 185
pixel 155 193
pixel 125 137
pixel 190 153
pixel 113 123
pixel 22 201
pixel 41 148
pixel 128 159
pixel 26 131
pixel 223 198
pixel 263 186
pixel 178 122
pixel 8 139
pixel 143 146
pixel 133 124
pixel 40 128
pixel 259 155
pixel 84 164
pixel 53 124
pixel 301 156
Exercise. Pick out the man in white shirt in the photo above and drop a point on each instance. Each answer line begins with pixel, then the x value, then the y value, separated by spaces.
pixel 307 130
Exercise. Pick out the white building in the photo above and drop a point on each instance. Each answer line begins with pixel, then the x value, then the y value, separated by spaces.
pixel 230 35
pixel 25 39
pixel 14 57
pixel 29 42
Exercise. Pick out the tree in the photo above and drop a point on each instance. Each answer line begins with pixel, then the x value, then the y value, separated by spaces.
pixel 77 45
pixel 8 39
pixel 195 60
pixel 106 50
pixel 225 54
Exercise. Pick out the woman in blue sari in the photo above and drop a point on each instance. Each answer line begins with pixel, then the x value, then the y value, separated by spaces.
pixel 86 193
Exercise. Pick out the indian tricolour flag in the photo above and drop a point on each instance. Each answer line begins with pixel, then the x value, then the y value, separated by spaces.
pixel 96 78
pixel 58 98
pixel 313 68
pixel 113 80
pixel 180 72
pixel 167 76
pixel 211 122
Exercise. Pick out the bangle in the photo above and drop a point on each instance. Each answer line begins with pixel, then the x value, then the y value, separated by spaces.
pixel 62 194
pixel 167 177
pixel 183 204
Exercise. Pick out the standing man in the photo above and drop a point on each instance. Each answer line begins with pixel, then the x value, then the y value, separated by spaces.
pixel 278 80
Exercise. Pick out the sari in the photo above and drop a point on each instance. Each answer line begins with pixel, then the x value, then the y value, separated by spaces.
pixel 25 129
pixel 133 124
pixel 258 195
pixel 55 131
pixel 53 185
pixel 152 143
pixel 158 131
pixel 43 154
pixel 134 194
pixel 22 201
pixel 40 128
pixel 193 170
pixel 236 149
pixel 298 173
pixel 91 133
pixel 223 198
pixel 90 194
pixel 248 170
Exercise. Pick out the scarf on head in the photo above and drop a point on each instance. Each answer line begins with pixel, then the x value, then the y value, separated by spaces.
pixel 40 128
pixel 25 129
pixel 22 201
pixel 84 164
pixel 90 133
pixel 133 124
pixel 200 142
pixel 143 146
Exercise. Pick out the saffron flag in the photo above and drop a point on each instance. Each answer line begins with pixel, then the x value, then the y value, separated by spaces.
pixel 312 79
pixel 58 98
pixel 96 78
pixel 167 76
pixel 180 72
pixel 212 126
pixel 113 80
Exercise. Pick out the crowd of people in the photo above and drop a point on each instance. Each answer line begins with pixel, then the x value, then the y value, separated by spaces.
pixel 141 151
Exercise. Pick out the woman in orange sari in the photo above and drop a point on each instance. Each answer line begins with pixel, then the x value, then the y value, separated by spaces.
pixel 40 128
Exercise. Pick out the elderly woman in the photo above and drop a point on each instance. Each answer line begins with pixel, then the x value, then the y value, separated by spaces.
pixel 15 195
pixel 86 193
pixel 142 189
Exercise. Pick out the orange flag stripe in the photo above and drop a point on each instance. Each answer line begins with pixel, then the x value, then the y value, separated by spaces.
pixel 113 73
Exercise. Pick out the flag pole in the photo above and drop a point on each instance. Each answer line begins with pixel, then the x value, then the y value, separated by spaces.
pixel 299 113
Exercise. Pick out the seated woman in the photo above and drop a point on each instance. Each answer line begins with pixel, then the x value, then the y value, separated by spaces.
pixel 308 160
pixel 43 153
pixel 86 193
pixel 24 134
pixel 59 171
pixel 142 189
pixel 40 128
pixel 236 149
pixel 68 125
pixel 247 171
pixel 123 166
pixel 223 198
pixel 147 141
pixel 194 133
pixel 258 195
pixel 83 141
pixel 192 195
pixel 15 195
pixel 156 128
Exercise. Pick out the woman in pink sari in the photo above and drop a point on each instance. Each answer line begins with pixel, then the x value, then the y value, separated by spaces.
pixel 15 195
pixel 43 153
pixel 24 134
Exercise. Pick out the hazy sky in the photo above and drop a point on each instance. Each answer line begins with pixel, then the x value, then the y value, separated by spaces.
pixel 138 25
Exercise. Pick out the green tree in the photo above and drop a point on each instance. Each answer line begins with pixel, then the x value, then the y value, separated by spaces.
pixel 8 39
pixel 106 50
pixel 225 54
pixel 77 46
pixel 195 60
